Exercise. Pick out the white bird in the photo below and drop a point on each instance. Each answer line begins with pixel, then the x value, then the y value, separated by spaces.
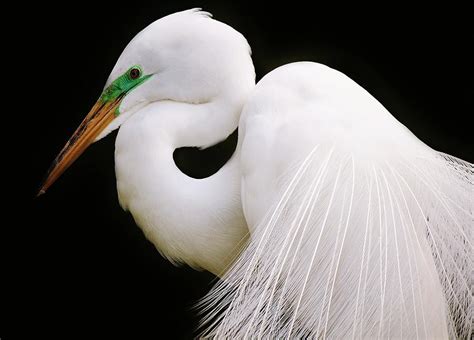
pixel 330 220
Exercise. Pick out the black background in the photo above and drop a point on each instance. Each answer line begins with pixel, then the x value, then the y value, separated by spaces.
pixel 73 263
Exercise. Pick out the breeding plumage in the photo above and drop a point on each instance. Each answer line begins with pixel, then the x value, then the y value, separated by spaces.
pixel 361 230
pixel 330 220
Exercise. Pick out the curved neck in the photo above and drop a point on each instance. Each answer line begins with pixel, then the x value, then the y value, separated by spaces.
pixel 196 221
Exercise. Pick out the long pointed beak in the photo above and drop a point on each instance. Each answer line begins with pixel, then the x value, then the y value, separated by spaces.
pixel 101 115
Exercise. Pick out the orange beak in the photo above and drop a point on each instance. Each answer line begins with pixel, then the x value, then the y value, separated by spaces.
pixel 100 116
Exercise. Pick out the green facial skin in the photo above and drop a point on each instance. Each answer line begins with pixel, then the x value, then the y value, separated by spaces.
pixel 122 85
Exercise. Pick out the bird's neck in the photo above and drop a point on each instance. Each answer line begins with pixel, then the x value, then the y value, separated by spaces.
pixel 195 221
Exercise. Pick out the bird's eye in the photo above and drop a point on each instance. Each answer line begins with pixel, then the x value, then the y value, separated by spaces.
pixel 134 73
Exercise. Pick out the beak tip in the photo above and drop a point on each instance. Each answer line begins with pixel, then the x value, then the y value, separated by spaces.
pixel 40 192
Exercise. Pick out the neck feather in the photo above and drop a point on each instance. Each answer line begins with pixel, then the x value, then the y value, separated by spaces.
pixel 194 221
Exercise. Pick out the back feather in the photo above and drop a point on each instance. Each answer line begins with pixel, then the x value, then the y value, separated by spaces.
pixel 371 249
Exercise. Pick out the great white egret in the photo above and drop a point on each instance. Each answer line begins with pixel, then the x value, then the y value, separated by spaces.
pixel 330 220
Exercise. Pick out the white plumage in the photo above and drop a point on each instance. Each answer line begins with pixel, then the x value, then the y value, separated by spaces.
pixel 341 222
pixel 358 229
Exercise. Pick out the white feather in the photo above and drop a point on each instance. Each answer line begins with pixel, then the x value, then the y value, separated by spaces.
pixel 367 235
pixel 357 228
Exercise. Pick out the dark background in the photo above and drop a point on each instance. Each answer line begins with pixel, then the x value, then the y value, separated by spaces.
pixel 73 263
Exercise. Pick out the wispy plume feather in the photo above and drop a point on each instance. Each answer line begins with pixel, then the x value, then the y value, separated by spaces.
pixel 356 249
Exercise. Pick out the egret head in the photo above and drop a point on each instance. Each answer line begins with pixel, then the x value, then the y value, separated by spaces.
pixel 184 57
